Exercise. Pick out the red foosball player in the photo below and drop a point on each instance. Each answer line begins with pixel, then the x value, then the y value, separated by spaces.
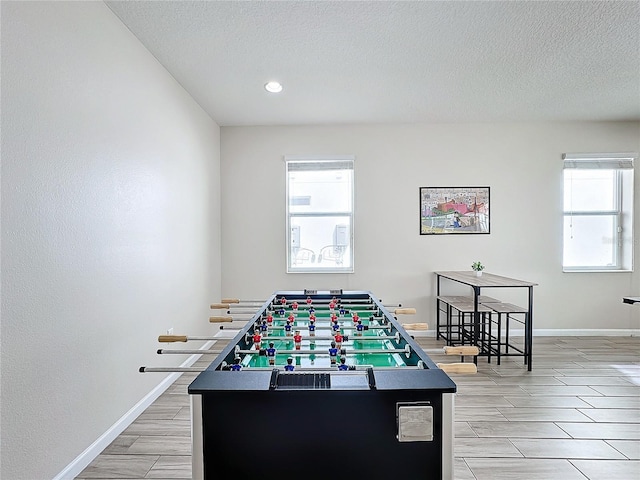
pixel 355 318
pixel 291 317
pixel 283 301
pixel 338 339
pixel 236 367
pixel 332 306
pixel 271 354
pixel 333 353
pixel 297 339
pixel 294 305
pixel 287 328
pixel 309 300
pixel 269 319
pixel 257 338
pixel 312 327
pixel 334 317
pixel 289 366
pixel 312 317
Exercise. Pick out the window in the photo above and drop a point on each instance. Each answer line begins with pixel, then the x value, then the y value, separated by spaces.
pixel 319 214
pixel 598 212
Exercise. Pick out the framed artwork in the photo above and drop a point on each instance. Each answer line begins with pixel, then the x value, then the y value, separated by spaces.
pixel 454 210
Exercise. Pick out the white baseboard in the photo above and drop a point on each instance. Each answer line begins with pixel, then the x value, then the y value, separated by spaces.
pixel 92 451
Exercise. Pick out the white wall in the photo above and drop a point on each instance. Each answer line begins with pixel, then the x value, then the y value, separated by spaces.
pixel 110 227
pixel 520 162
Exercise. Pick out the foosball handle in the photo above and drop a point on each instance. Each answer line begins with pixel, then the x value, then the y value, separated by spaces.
pixel 458 367
pixel 172 338
pixel 220 319
pixel 415 326
pixel 230 300
pixel 405 311
pixel 462 350
pixel 224 306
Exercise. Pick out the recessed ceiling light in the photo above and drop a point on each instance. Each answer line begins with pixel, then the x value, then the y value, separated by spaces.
pixel 273 87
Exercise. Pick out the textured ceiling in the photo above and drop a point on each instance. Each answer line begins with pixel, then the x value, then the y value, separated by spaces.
pixel 397 62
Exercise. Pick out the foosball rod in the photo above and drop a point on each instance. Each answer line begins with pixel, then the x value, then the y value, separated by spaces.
pixel 363 338
pixel 462 351
pixel 302 303
pixel 329 327
pixel 342 351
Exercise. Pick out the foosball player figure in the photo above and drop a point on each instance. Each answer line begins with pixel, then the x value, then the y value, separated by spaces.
pixel 281 312
pixel 236 367
pixel 283 301
pixel 312 311
pixel 269 319
pixel 338 339
pixel 355 318
pixel 342 311
pixel 312 317
pixel 264 328
pixel 271 354
pixel 291 317
pixel 333 353
pixel 257 338
pixel 312 328
pixel 309 300
pixel 297 339
pixel 332 306
pixel 359 328
pixel 294 305
pixel 287 328
pixel 335 327
pixel 343 364
pixel 334 317
pixel 289 366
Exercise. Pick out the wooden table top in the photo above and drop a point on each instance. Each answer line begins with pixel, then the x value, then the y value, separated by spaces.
pixel 485 280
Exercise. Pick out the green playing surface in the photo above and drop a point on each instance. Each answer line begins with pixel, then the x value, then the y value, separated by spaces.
pixel 367 341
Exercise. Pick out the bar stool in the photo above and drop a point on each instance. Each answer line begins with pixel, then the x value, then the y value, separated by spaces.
pixel 443 304
pixel 508 310
pixel 466 327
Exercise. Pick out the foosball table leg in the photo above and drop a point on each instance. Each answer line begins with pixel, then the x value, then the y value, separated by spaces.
pixel 197 446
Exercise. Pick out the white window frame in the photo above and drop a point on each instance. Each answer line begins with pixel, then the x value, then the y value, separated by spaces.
pixel 622 212
pixel 313 267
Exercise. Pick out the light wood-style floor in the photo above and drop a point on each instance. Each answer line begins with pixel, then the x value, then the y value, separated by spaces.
pixel 575 416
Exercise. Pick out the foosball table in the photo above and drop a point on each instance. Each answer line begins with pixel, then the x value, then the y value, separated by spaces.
pixel 313 385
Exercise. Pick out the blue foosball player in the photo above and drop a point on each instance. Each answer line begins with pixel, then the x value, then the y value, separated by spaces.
pixel 312 328
pixel 333 353
pixel 289 366
pixel 271 354
pixel 359 327
pixel 287 328
pixel 343 364
pixel 264 328
pixel 236 367
pixel 335 326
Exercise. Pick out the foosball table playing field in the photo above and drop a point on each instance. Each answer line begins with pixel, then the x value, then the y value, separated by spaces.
pixel 314 384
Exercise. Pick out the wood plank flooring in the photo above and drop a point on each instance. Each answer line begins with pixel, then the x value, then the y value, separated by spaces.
pixel 575 416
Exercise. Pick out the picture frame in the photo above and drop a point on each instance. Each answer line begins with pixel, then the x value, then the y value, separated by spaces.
pixel 455 210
